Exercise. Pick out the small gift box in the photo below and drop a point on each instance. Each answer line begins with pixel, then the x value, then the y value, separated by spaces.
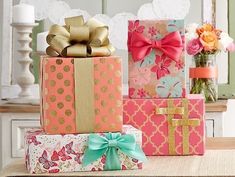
pixel 83 152
pixel 156 59
pixel 80 95
pixel 169 126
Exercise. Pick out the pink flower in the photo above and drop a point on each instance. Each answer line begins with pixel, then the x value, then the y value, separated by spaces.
pixel 152 31
pixel 141 93
pixel 194 47
pixel 179 64
pixel 131 91
pixel 140 75
pixel 231 47
pixel 161 67
pixel 135 26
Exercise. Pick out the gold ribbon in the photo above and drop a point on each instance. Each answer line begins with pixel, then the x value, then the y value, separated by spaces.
pixel 84 95
pixel 176 110
pixel 79 39
pixel 185 122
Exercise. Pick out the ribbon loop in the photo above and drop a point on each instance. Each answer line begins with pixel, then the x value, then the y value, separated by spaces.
pixel 109 145
pixel 59 44
pixel 99 36
pixel 74 21
pixel 77 50
pixel 79 33
pixel 79 39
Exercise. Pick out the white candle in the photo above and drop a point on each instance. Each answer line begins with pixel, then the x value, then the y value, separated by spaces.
pixel 41 42
pixel 23 13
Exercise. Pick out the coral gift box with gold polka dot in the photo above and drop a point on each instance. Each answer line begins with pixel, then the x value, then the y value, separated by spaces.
pixel 81 95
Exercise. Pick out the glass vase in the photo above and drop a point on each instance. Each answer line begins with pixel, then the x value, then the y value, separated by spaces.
pixel 203 77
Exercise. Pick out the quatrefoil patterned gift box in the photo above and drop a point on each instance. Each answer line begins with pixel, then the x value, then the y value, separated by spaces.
pixel 156 59
pixel 81 95
pixel 169 126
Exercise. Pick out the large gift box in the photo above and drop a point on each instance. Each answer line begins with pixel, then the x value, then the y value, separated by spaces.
pixel 169 126
pixel 81 95
pixel 83 152
pixel 156 59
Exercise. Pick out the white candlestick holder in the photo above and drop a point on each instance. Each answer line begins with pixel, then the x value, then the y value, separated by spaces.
pixel 25 79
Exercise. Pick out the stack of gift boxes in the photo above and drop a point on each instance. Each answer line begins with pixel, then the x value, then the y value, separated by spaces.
pixel 83 110
pixel 172 122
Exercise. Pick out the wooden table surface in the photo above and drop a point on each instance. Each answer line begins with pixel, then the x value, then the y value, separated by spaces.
pixel 219 160
pixel 219 106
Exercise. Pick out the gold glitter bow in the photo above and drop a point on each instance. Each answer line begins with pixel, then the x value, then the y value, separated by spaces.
pixel 185 122
pixel 79 39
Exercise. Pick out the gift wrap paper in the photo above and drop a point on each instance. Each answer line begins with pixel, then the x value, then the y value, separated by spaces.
pixel 156 75
pixel 81 95
pixel 64 153
pixel 169 126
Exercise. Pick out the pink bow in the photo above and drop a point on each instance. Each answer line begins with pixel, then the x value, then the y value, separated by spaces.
pixel 141 46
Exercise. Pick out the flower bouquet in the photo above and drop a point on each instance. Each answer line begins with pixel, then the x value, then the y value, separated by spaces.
pixel 204 43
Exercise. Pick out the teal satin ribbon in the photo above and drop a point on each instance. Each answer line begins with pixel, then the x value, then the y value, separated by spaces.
pixel 109 145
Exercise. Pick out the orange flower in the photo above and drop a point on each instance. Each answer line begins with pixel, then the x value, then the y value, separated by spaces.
pixel 205 27
pixel 209 40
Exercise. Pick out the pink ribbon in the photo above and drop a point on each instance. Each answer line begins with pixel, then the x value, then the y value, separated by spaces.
pixel 141 46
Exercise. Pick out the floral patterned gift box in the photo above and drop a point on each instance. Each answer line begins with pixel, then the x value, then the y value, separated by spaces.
pixel 81 95
pixel 74 152
pixel 156 59
pixel 173 126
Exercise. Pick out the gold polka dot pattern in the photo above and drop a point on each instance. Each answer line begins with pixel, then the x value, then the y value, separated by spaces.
pixel 108 83
pixel 60 98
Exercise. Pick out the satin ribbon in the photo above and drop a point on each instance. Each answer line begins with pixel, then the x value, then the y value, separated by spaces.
pixel 203 72
pixel 109 145
pixel 141 46
pixel 79 39
pixel 84 94
pixel 185 122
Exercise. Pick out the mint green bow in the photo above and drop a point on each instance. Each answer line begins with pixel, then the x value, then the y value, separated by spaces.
pixel 109 145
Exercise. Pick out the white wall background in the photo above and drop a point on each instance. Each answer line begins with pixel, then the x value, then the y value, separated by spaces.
pixel 114 7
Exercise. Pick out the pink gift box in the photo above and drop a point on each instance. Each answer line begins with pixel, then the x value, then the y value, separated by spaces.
pixel 169 126
pixel 64 153
pixel 156 59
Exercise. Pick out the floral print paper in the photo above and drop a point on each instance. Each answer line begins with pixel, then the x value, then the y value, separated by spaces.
pixel 147 78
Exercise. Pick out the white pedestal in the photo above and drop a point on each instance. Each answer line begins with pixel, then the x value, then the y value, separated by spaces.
pixel 25 79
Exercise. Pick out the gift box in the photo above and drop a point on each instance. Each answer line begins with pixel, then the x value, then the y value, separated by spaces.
pixel 156 59
pixel 81 95
pixel 169 126
pixel 83 152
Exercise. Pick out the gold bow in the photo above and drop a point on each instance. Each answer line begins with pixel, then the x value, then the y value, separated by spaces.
pixel 185 122
pixel 79 39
